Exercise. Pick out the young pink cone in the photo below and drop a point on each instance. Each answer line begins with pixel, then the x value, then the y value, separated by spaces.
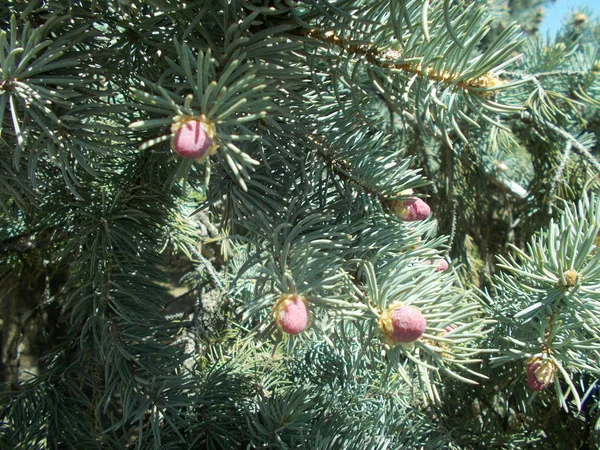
pixel 441 265
pixel 291 313
pixel 402 324
pixel 192 139
pixel 540 374
pixel 412 209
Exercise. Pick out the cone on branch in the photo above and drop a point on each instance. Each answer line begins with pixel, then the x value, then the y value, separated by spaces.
pixel 192 137
pixel 402 324
pixel 411 210
pixel 540 373
pixel 441 265
pixel 291 313
pixel 571 278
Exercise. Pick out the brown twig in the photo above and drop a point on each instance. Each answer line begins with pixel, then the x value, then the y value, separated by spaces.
pixel 386 59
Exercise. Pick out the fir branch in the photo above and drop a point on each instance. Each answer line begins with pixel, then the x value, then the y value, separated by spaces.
pixel 343 169
pixel 310 108
pixel 571 140
pixel 386 59
pixel 559 174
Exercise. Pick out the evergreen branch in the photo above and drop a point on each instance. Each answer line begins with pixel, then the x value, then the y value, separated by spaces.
pixel 571 140
pixel 544 296
pixel 343 169
pixel 385 59
pixel 559 174
pixel 445 83
pixel 310 107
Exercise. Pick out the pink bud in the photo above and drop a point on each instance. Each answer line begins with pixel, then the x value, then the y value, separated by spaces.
pixel 291 313
pixel 441 265
pixel 403 324
pixel 540 374
pixel 412 209
pixel 191 139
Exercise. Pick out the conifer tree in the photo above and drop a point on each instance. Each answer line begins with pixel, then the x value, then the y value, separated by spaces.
pixel 344 224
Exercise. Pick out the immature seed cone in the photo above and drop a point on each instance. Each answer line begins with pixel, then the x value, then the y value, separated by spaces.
pixel 540 373
pixel 441 265
pixel 571 277
pixel 192 137
pixel 402 324
pixel 291 313
pixel 411 210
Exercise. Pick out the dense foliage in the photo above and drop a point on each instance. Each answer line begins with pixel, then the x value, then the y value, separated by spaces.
pixel 346 224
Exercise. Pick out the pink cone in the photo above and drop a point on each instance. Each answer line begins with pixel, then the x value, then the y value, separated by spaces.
pixel 291 314
pixel 408 324
pixel 412 209
pixel 540 374
pixel 191 140
pixel 442 265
